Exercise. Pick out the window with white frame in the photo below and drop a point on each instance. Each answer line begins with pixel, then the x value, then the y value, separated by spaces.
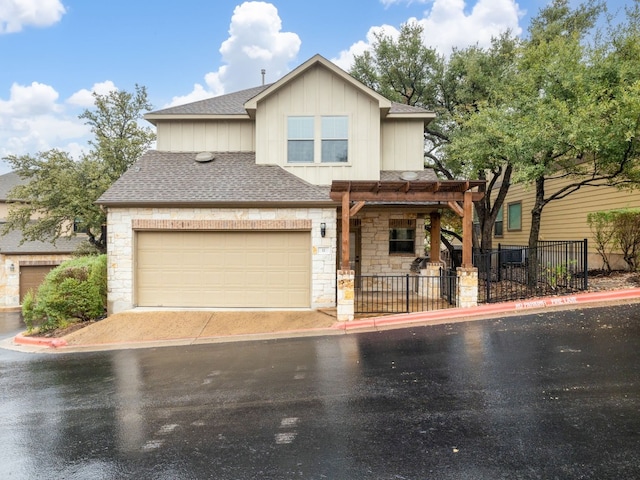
pixel 300 135
pixel 334 139
pixel 319 139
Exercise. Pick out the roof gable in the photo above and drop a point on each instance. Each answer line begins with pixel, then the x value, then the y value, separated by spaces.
pixel 252 104
pixel 243 104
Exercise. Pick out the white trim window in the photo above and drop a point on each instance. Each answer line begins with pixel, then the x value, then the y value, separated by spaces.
pixel 300 133
pixel 335 143
pixel 319 139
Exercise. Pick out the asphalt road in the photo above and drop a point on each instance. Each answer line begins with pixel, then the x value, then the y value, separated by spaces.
pixel 548 396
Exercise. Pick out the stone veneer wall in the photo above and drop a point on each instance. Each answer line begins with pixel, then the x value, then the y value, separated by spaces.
pixel 375 258
pixel 10 281
pixel 120 231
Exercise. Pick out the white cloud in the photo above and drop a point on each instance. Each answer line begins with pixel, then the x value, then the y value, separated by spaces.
pixel 34 99
pixel 446 25
pixel 17 14
pixel 256 41
pixel 32 120
pixel 84 98
pixel 198 93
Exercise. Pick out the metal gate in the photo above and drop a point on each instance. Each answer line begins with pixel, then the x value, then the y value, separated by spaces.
pixel 388 294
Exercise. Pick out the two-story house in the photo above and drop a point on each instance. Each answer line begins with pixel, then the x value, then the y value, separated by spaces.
pixel 256 199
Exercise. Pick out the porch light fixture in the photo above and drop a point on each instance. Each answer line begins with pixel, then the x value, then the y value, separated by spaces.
pixel 323 229
pixel 12 268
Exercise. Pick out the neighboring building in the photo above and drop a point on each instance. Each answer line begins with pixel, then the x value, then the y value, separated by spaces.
pixel 564 219
pixel 25 265
pixel 234 209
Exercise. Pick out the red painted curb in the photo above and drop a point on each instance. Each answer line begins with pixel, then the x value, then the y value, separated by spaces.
pixel 420 317
pixel 40 341
pixel 494 308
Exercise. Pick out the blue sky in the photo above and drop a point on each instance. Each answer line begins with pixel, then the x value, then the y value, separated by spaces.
pixel 54 53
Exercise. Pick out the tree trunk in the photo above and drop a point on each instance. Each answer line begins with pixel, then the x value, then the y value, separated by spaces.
pixel 488 212
pixel 534 232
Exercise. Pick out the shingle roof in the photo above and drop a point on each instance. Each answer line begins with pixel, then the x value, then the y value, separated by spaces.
pixel 426 175
pixel 233 104
pixel 7 182
pixel 10 244
pixel 175 178
pixel 229 104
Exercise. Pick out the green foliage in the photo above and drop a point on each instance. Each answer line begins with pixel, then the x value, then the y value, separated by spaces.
pixel 626 234
pixel 601 226
pixel 77 289
pixel 569 109
pixel 558 276
pixel 406 70
pixel 59 190
pixel 617 229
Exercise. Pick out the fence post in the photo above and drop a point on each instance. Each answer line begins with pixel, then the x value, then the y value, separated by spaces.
pixel 499 262
pixel 585 260
pixel 407 293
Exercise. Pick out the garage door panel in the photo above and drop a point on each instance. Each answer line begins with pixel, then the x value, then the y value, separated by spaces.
pixel 223 269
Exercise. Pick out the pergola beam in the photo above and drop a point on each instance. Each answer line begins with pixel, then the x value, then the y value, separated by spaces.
pixel 448 192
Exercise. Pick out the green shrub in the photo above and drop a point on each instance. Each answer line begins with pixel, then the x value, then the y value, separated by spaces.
pixel 77 289
pixel 617 229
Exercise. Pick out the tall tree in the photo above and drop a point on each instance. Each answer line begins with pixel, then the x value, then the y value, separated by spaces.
pixel 407 71
pixel 570 110
pixel 59 193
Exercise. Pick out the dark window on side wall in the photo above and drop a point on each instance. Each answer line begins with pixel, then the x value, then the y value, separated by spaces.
pixel 499 225
pixel 514 216
pixel 402 236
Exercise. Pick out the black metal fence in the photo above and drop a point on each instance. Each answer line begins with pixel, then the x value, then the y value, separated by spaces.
pixel 388 294
pixel 514 272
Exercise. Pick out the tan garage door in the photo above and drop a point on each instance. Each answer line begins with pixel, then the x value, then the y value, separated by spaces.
pixel 31 276
pixel 223 269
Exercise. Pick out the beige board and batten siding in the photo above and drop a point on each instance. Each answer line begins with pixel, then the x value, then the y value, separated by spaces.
pixel 318 92
pixel 403 144
pixel 206 135
pixel 260 269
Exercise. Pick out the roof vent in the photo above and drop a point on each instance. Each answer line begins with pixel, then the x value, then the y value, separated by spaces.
pixel 409 176
pixel 204 157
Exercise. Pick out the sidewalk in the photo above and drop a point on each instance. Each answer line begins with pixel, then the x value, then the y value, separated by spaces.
pixel 148 328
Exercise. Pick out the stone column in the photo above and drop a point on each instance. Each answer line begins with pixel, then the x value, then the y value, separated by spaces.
pixel 346 295
pixel 431 281
pixel 467 291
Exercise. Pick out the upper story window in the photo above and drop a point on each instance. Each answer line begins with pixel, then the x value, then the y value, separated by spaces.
pixel 300 139
pixel 334 139
pixel 322 139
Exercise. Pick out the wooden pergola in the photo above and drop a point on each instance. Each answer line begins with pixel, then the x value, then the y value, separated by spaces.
pixel 454 194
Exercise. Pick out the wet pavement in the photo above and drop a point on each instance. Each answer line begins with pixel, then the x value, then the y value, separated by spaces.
pixel 547 395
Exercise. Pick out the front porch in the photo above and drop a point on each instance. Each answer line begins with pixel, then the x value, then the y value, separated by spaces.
pixel 381 231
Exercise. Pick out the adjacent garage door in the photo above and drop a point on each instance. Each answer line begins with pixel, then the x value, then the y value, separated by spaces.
pixel 223 269
pixel 31 276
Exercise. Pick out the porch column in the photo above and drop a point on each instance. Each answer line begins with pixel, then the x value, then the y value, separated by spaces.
pixel 467 287
pixel 434 255
pixel 467 230
pixel 346 295
pixel 431 288
pixel 346 215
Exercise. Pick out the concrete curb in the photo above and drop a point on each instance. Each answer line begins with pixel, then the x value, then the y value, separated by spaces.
pixel 523 306
pixel 40 341
pixel 374 323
